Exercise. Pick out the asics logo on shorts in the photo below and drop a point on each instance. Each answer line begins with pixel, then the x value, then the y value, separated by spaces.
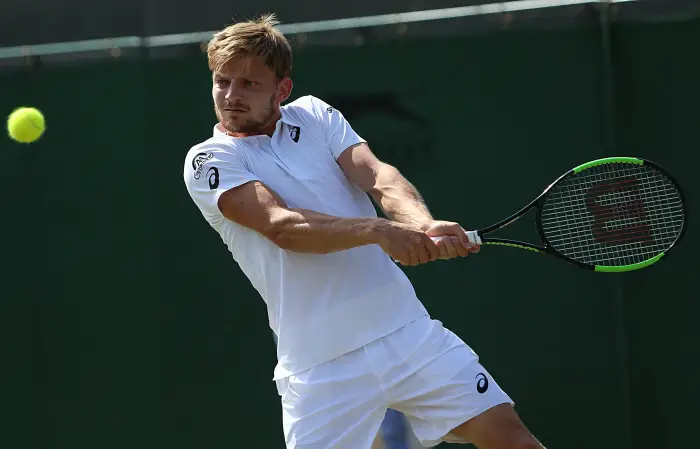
pixel 483 384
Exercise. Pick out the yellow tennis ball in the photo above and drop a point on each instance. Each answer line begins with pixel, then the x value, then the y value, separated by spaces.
pixel 26 124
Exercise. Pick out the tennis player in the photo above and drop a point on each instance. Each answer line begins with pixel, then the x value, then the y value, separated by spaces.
pixel 288 189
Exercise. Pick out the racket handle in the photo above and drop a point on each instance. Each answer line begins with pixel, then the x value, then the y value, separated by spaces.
pixel 473 237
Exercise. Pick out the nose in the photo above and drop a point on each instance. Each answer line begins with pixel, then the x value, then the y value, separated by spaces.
pixel 234 92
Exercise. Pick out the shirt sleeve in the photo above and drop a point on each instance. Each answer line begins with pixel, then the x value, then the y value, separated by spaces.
pixel 337 131
pixel 211 170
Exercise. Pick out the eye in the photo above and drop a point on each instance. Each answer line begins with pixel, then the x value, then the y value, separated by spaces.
pixel 249 83
pixel 222 82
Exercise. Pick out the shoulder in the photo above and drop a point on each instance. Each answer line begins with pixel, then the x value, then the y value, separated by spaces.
pixel 217 149
pixel 220 148
pixel 308 108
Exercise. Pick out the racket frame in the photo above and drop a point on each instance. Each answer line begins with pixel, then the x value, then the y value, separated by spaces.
pixel 546 248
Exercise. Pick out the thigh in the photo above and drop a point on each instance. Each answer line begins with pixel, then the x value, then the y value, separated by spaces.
pixel 336 405
pixel 497 428
pixel 447 391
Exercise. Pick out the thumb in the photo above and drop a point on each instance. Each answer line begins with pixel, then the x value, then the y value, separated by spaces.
pixel 438 229
pixel 464 238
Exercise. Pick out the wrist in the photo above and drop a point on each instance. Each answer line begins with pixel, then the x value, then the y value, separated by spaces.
pixel 425 224
pixel 378 230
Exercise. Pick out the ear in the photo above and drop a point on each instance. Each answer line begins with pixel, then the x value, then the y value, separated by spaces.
pixel 284 89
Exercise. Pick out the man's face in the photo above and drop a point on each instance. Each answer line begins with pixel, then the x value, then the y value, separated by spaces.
pixel 247 95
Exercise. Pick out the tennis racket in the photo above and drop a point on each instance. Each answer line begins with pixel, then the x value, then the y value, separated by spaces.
pixel 609 215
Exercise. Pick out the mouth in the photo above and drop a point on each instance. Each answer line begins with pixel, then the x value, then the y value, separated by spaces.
pixel 236 110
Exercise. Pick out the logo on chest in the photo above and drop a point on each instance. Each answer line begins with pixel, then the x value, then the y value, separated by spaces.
pixel 294 133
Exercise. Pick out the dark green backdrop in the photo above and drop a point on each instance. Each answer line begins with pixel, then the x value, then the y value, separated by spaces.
pixel 125 323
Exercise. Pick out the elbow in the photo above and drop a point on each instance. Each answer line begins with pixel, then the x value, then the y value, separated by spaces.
pixel 385 178
pixel 281 239
pixel 290 238
pixel 277 234
pixel 281 234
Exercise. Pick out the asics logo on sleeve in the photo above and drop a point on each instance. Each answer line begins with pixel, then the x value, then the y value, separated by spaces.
pixel 213 175
pixel 198 163
pixel 483 384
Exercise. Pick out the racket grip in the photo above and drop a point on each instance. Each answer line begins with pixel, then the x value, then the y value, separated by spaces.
pixel 473 237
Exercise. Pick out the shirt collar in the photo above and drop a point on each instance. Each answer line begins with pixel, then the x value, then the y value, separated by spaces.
pixel 287 117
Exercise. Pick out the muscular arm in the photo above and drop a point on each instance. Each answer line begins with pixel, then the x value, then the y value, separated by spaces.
pixel 255 206
pixel 398 198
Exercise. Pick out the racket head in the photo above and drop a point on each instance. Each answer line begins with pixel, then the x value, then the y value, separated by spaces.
pixel 615 214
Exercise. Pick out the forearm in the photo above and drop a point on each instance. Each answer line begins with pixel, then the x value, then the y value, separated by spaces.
pixel 306 231
pixel 398 198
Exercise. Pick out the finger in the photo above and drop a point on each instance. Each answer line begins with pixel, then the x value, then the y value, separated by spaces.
pixel 454 246
pixel 414 259
pixel 398 257
pixel 444 254
pixel 472 246
pixel 403 259
pixel 423 253
pixel 450 249
pixel 459 248
pixel 443 250
pixel 432 247
pixel 463 237
pixel 441 243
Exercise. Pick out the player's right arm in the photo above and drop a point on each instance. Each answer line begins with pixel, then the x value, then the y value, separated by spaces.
pixel 256 206
pixel 225 186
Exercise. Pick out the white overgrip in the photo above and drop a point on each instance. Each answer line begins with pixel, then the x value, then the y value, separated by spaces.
pixel 473 237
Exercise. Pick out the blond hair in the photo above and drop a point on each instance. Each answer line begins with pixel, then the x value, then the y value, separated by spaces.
pixel 257 38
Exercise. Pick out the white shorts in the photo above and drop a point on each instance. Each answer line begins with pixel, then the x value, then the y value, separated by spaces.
pixel 422 370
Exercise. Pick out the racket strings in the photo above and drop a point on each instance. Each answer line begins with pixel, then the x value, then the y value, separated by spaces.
pixel 629 230
pixel 613 214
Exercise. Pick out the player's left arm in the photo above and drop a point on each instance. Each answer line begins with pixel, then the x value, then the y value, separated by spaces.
pixel 398 198
pixel 395 195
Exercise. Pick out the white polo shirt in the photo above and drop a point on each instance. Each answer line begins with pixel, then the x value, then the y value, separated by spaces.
pixel 319 306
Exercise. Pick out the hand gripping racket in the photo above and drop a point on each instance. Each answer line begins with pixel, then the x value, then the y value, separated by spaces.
pixel 609 215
